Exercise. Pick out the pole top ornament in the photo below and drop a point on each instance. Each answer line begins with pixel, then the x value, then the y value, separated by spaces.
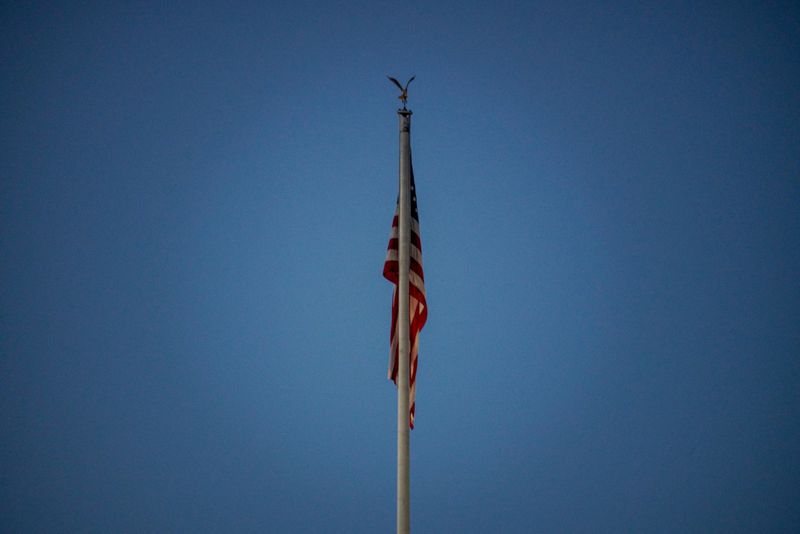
pixel 403 90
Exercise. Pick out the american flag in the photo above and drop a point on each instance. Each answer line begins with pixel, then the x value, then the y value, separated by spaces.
pixel 418 308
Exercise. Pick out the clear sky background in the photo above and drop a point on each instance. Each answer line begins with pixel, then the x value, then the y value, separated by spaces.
pixel 195 204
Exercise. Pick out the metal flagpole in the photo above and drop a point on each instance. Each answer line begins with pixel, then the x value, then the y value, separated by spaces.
pixel 403 350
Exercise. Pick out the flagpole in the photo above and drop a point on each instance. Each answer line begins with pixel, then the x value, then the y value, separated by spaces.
pixel 404 237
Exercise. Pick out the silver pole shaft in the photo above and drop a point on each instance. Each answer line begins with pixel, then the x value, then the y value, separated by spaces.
pixel 404 235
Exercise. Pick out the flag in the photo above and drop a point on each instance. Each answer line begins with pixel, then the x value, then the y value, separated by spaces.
pixel 418 308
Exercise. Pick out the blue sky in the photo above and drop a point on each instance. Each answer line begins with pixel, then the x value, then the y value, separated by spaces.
pixel 196 201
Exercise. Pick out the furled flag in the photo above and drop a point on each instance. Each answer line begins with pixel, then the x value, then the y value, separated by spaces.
pixel 418 308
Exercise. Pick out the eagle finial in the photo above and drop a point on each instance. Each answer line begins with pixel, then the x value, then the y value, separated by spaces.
pixel 403 90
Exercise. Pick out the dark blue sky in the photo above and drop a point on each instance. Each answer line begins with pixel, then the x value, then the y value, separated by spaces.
pixel 196 200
